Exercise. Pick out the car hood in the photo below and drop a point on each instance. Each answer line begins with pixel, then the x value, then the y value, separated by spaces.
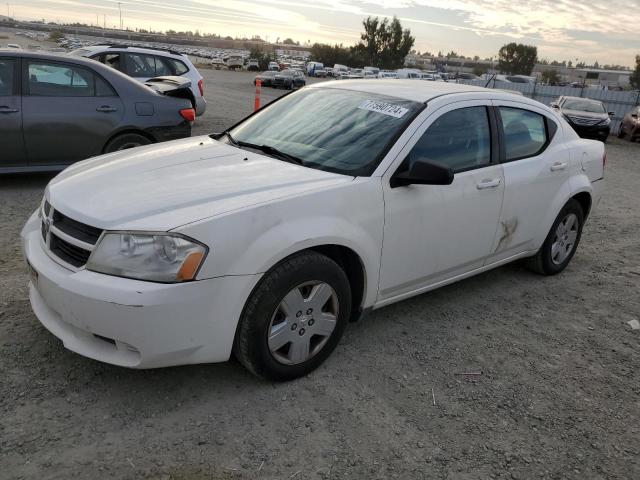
pixel 164 186
pixel 582 114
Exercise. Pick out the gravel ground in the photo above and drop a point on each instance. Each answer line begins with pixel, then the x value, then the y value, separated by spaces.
pixel 556 395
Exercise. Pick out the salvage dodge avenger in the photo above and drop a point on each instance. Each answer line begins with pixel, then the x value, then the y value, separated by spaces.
pixel 265 240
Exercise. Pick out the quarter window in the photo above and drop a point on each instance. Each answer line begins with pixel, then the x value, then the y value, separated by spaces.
pixel 525 133
pixel 459 139
pixel 6 76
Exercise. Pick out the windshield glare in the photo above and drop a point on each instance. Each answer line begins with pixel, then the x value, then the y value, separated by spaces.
pixel 584 106
pixel 330 129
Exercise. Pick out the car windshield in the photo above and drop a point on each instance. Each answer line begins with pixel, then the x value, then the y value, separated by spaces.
pixel 584 106
pixel 330 129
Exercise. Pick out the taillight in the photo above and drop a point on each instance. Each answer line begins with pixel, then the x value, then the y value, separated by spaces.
pixel 189 114
pixel 201 87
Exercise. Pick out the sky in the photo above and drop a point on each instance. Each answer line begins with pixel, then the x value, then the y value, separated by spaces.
pixel 561 29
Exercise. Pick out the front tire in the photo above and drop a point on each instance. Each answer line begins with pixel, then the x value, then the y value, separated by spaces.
pixel 294 318
pixel 621 132
pixel 561 242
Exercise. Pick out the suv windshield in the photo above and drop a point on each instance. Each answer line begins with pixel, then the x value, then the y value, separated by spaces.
pixel 330 129
pixel 584 106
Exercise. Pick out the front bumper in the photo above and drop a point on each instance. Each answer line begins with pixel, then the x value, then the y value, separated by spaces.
pixel 133 323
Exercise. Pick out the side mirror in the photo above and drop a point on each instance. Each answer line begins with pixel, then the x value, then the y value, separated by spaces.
pixel 555 105
pixel 634 115
pixel 423 173
pixel 612 114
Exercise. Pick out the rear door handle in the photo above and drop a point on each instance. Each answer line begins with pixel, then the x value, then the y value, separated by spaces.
pixel 489 183
pixel 106 109
pixel 559 166
pixel 8 109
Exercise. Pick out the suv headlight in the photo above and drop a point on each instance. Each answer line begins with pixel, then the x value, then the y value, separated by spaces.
pixel 606 121
pixel 156 257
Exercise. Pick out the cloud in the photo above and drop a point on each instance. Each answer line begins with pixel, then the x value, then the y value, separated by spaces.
pixel 561 29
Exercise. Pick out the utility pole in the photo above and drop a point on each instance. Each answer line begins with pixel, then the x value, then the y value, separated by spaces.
pixel 8 15
pixel 120 10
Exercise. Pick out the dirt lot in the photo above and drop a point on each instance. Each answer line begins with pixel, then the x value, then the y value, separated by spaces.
pixel 557 393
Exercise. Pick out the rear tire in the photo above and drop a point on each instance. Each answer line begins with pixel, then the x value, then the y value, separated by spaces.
pixel 126 141
pixel 287 329
pixel 561 242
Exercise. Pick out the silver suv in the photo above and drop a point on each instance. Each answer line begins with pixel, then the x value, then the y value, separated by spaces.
pixel 145 63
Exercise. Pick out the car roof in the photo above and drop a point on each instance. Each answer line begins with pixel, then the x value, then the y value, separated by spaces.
pixel 415 90
pixel 114 76
pixel 116 48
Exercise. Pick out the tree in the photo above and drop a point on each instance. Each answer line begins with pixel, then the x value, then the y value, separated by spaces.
pixel 517 58
pixel 550 76
pixel 383 43
pixel 634 79
pixel 329 55
pixel 263 57
pixel 288 41
pixel 55 36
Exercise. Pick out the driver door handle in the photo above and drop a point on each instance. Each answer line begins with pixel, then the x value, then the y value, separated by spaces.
pixel 489 183
pixel 8 109
pixel 559 166
pixel 106 109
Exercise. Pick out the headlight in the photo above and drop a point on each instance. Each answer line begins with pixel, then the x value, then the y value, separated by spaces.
pixel 606 121
pixel 157 257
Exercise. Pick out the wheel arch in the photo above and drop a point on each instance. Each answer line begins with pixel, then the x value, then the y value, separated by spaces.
pixel 126 131
pixel 585 201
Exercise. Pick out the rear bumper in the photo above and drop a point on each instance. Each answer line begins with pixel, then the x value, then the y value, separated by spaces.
pixel 201 105
pixel 598 189
pixel 164 134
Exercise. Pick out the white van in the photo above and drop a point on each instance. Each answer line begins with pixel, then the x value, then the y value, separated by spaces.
pixel 410 73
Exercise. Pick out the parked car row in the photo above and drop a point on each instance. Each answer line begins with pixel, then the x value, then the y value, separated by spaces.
pixel 58 109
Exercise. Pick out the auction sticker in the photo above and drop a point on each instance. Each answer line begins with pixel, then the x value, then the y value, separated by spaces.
pixel 383 108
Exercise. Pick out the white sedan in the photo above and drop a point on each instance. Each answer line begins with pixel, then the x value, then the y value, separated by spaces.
pixel 266 240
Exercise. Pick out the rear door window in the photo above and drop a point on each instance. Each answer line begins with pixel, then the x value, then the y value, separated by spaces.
pixel 525 133
pixel 59 80
pixel 7 73
pixel 140 65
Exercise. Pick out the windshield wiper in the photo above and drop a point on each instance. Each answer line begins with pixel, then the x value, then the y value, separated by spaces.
pixel 226 132
pixel 269 150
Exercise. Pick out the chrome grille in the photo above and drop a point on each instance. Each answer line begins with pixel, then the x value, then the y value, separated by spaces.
pixel 584 121
pixel 67 239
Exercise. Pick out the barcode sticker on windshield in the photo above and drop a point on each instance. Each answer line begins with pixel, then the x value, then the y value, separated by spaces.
pixel 384 108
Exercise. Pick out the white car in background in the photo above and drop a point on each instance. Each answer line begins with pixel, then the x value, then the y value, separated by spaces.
pixel 144 63
pixel 267 239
